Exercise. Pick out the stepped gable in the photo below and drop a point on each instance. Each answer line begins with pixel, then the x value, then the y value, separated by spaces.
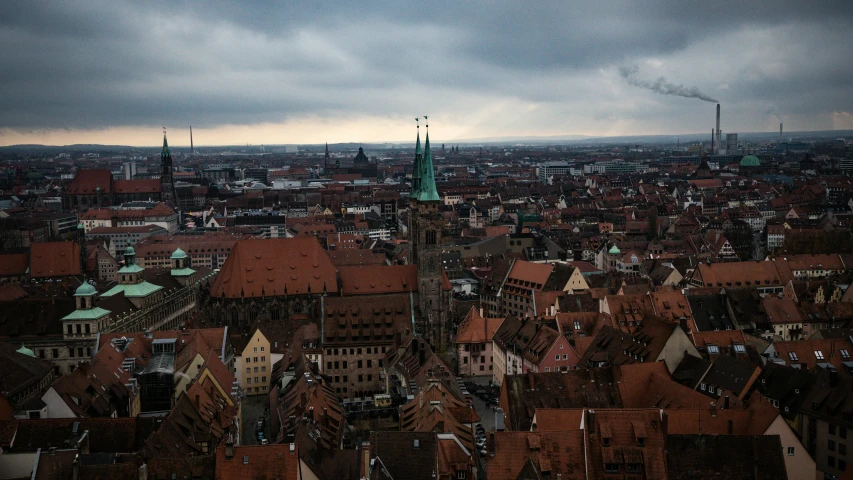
pixel 368 280
pixel 274 267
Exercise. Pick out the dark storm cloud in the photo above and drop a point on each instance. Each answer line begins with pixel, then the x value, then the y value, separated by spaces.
pixel 94 64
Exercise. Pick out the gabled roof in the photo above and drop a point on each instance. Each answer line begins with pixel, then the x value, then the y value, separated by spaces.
pixel 558 453
pixel 275 267
pixel 476 329
pixel 14 264
pixel 147 185
pixel 54 259
pixel 372 279
pixel 87 181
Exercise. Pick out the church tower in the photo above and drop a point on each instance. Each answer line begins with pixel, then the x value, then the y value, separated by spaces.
pixel 167 183
pixel 425 225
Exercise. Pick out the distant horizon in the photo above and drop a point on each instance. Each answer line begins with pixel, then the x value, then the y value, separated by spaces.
pixel 537 139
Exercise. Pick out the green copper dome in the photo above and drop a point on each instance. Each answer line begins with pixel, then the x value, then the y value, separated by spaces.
pixel 26 351
pixel 750 161
pixel 84 290
pixel 179 254
pixel 80 226
pixel 130 251
pixel 614 250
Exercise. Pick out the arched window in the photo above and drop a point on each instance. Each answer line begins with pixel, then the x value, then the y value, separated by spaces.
pixel 275 312
pixel 430 237
pixel 235 316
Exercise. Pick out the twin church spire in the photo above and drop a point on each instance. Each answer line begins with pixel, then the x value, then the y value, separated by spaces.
pixel 423 176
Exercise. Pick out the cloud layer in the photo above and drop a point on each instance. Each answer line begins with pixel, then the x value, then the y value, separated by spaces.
pixel 293 72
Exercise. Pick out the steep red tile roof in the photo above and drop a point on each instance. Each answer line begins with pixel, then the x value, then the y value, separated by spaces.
pixel 348 257
pixel 54 259
pixel 720 338
pixel 557 452
pixel 14 264
pixel 811 352
pixel 272 267
pixel 137 186
pixel 12 291
pixel 372 279
pixel 86 182
pixel 529 275
pixel 476 329
pixel 648 385
pixel 738 273
pixel 260 462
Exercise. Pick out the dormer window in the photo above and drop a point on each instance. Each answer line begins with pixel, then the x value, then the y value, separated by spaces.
pixel 818 354
pixel 739 348
pixel 793 357
pixel 713 349
pixel 845 355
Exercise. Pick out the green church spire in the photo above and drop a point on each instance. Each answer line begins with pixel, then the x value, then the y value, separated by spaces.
pixel 427 192
pixel 416 170
pixel 165 152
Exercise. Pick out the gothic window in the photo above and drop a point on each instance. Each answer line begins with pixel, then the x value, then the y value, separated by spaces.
pixel 275 313
pixel 234 316
pixel 430 237
pixel 297 307
pixel 253 313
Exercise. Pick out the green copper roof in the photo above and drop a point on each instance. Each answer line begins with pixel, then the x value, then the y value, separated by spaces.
pixel 182 272
pixel 427 192
pixel 750 161
pixel 133 291
pixel 416 170
pixel 130 251
pixel 80 226
pixel 84 290
pixel 26 351
pixel 86 314
pixel 130 269
pixel 165 152
pixel 614 250
pixel 179 254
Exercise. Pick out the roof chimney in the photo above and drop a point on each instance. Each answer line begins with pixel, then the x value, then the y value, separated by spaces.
pixel 730 427
pixel 726 405
pixel 590 417
pixel 229 449
pixel 365 460
pixel 491 444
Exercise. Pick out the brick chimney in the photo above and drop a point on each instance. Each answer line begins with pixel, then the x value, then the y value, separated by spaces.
pixel 365 460
pixel 491 444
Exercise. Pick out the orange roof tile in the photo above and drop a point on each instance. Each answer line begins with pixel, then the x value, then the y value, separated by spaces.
pixel 86 182
pixel 54 259
pixel 146 185
pixel 258 462
pixel 273 267
pixel 373 279
pixel 14 264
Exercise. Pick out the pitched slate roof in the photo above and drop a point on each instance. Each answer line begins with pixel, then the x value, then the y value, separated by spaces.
pixel 274 267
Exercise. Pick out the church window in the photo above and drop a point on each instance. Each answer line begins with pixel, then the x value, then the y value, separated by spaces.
pixel 430 237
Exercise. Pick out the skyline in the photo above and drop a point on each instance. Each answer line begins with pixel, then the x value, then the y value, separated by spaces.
pixel 115 72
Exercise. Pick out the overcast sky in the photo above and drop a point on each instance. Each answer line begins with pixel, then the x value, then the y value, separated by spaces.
pixel 115 72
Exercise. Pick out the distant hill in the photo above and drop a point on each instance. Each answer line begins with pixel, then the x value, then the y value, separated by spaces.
pixel 530 140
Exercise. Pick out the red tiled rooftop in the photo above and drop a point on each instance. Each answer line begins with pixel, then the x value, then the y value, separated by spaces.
pixel 54 259
pixel 274 267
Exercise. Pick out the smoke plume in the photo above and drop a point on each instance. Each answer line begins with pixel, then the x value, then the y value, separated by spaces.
pixel 661 85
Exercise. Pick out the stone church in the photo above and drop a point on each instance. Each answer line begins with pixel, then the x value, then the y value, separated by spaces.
pixel 287 283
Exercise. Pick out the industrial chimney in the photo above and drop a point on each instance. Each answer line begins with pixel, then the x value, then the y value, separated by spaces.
pixel 717 139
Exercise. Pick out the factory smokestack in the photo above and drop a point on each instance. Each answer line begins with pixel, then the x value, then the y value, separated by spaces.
pixel 717 139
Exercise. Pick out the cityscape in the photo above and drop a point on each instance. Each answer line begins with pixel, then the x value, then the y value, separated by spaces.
pixel 509 280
